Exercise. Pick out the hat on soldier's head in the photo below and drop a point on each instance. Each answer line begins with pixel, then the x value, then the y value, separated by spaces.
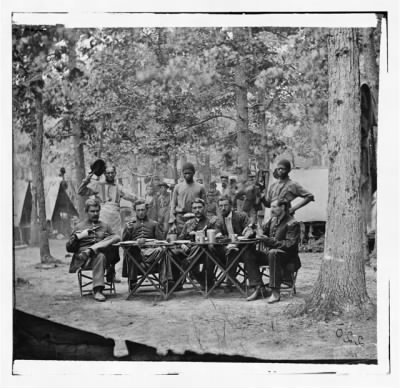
pixel 163 184
pixel 285 163
pixel 224 177
pixel 98 167
pixel 188 166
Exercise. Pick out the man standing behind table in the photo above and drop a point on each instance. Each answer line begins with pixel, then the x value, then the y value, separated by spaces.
pixel 212 199
pixel 110 194
pixel 182 197
pixel 163 206
pixel 286 189
pixel 281 235
pixel 139 229
pixel 151 202
pixel 226 190
pixel 91 242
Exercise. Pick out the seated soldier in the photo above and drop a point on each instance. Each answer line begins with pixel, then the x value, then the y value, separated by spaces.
pixel 281 234
pixel 91 242
pixel 140 229
pixel 200 222
pixel 229 222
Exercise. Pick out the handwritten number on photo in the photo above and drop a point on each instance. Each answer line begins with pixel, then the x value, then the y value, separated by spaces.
pixel 348 337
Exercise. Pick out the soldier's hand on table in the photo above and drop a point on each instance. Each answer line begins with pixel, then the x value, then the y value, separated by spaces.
pixel 141 241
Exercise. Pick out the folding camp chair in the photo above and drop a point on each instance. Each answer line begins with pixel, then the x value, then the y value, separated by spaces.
pixel 289 277
pixel 148 277
pixel 85 282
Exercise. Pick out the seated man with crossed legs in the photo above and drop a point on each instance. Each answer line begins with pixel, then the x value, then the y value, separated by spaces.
pixel 91 242
pixel 281 235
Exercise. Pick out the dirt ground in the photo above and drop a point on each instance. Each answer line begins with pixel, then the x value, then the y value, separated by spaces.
pixel 221 324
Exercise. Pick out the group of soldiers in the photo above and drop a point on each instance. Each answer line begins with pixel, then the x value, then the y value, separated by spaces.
pixel 189 209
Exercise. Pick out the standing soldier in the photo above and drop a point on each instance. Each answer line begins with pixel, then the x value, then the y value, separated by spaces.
pixel 212 199
pixel 163 204
pixel 225 186
pixel 151 203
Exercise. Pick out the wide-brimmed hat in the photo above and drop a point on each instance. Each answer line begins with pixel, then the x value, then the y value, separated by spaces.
pixel 98 167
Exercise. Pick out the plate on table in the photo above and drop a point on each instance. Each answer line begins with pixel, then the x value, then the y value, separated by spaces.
pixel 161 242
pixel 243 238
pixel 182 241
pixel 130 242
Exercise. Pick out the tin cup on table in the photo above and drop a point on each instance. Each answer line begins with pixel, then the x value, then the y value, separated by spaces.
pixel 172 237
pixel 199 237
pixel 211 235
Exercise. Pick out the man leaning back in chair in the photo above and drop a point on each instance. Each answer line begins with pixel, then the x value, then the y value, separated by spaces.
pixel 91 242
pixel 281 236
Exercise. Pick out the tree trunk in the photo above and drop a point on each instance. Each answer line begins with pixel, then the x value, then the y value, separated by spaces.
pixel 242 120
pixel 174 160
pixel 37 175
pixel 340 286
pixel 371 69
pixel 79 159
pixel 101 137
pixel 207 170
pixel 34 233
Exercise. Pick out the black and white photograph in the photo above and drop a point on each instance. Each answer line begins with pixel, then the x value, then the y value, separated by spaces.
pixel 201 190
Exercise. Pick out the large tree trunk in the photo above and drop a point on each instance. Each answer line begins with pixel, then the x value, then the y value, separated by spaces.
pixel 242 120
pixel 34 232
pixel 77 136
pixel 79 159
pixel 371 69
pixel 340 286
pixel 37 175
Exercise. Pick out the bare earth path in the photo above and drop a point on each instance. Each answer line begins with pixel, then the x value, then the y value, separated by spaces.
pixel 225 323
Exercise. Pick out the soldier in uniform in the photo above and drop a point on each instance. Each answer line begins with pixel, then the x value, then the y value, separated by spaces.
pixel 212 199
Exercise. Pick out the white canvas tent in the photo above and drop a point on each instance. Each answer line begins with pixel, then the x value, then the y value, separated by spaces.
pixel 22 207
pixel 59 207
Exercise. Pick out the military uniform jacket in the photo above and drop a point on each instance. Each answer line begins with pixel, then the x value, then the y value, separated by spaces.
pixel 146 228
